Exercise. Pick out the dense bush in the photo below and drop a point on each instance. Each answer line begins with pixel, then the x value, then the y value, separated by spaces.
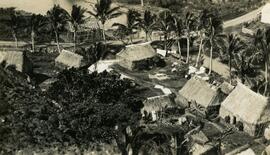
pixel 79 109
pixel 150 63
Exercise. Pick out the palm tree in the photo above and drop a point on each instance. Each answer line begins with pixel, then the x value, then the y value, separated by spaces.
pixel 243 63
pixel 58 18
pixel 202 26
pixel 179 30
pixel 215 38
pixel 15 22
pixel 234 45
pixel 76 19
pixel 165 25
pixel 189 23
pixel 147 23
pixel 36 23
pixel 133 23
pixel 262 42
pixel 103 11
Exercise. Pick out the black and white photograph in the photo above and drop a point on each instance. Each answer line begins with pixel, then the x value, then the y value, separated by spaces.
pixel 134 77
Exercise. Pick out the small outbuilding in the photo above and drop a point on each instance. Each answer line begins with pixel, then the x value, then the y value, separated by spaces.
pixel 102 65
pixel 69 59
pixel 247 110
pixel 18 59
pixel 154 105
pixel 133 56
pixel 200 95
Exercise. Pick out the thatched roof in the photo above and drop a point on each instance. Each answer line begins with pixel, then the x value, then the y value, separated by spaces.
pixel 17 59
pixel 137 52
pixel 249 151
pixel 249 106
pixel 199 91
pixel 102 65
pixel 69 59
pixel 226 88
pixel 265 14
pixel 267 150
pixel 157 102
pixel 218 67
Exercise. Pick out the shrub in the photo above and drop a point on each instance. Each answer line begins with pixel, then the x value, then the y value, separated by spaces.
pixel 79 109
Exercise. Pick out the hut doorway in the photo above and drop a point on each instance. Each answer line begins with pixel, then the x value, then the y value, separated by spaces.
pixel 234 120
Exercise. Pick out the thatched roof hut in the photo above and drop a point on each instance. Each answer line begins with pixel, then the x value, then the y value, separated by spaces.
pixel 137 52
pixel 199 91
pixel 157 103
pixel 18 59
pixel 69 59
pixel 248 105
pixel 133 54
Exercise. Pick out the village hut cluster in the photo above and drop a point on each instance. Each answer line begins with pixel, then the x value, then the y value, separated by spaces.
pixel 236 106
pixel 201 102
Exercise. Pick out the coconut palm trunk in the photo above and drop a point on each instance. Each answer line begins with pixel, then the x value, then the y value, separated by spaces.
pixel 33 40
pixel 211 59
pixel 74 40
pixel 57 41
pixel 188 44
pixel 179 49
pixel 146 36
pixel 103 33
pixel 165 43
pixel 15 39
pixel 199 54
pixel 266 76
pixel 230 65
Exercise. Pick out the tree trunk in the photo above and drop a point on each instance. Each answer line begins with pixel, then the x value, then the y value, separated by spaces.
pixel 211 57
pixel 121 140
pixel 188 44
pixel 165 44
pixel 57 41
pixel 33 40
pixel 230 66
pixel 179 49
pixel 266 77
pixel 74 40
pixel 131 38
pixel 103 33
pixel 146 36
pixel 199 54
pixel 15 39
pixel 142 3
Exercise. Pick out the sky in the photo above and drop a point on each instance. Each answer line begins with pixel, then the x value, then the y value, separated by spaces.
pixel 40 6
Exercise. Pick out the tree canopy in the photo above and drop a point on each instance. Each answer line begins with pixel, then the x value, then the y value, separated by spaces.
pixel 79 109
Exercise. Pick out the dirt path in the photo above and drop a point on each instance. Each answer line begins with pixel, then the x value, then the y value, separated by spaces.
pixel 242 19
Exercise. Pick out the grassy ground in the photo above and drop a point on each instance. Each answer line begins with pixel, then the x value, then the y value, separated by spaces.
pixel 175 81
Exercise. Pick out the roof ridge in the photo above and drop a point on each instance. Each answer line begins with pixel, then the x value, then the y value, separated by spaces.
pixel 239 84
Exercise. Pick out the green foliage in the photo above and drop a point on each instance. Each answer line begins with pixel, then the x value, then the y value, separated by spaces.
pixel 104 11
pixel 79 109
pixel 148 22
pixel 133 23
pixel 37 23
pixel 77 16
pixel 57 17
